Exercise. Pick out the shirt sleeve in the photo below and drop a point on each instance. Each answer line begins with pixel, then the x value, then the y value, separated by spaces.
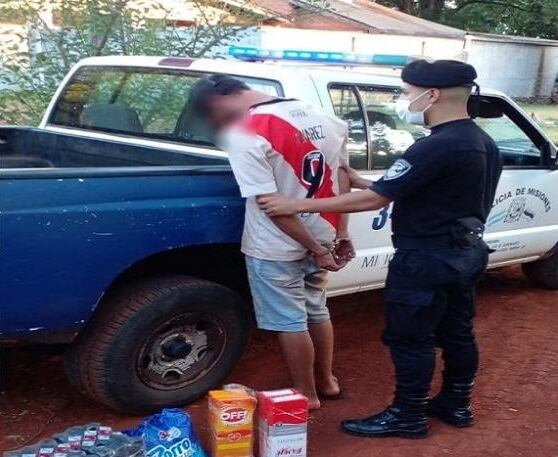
pixel 417 168
pixel 249 162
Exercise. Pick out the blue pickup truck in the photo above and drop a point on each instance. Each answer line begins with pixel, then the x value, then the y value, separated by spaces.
pixel 121 221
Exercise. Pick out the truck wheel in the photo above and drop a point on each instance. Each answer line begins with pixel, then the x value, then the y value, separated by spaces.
pixel 158 343
pixel 543 272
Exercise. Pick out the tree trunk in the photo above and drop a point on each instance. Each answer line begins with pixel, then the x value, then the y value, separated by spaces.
pixel 407 6
pixel 431 9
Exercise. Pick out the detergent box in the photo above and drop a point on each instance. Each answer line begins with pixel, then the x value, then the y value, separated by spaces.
pixel 231 420
pixel 283 422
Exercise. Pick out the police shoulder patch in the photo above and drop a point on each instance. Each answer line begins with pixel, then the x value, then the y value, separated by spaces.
pixel 399 168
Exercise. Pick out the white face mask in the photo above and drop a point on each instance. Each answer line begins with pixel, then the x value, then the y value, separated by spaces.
pixel 411 117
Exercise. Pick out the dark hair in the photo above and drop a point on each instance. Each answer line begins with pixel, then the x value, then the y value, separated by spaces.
pixel 212 86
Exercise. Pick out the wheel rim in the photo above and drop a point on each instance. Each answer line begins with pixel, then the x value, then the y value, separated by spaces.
pixel 181 351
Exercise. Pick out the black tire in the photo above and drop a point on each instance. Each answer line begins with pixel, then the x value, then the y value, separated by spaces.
pixel 161 342
pixel 543 272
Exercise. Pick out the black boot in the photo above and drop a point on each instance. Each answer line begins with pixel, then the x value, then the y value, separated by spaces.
pixel 406 419
pixel 453 404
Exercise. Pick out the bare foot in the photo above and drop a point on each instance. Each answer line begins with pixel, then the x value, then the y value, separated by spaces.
pixel 330 387
pixel 313 404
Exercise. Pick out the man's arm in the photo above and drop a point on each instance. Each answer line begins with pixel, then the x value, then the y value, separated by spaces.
pixel 344 248
pixel 292 226
pixel 355 202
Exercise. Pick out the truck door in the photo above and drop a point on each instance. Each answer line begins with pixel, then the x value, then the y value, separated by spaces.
pixel 108 182
pixel 522 225
pixel 376 139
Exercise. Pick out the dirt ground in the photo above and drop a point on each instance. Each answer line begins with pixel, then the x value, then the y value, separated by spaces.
pixel 516 400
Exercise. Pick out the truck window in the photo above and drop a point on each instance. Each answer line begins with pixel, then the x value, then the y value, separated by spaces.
pixel 380 138
pixel 142 102
pixel 376 139
pixel 516 147
pixel 389 136
pixel 347 107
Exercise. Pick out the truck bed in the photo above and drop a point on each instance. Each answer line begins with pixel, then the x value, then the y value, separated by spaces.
pixel 28 147
pixel 79 214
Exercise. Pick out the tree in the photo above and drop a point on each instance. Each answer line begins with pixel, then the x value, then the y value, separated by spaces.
pixel 66 31
pixel 535 18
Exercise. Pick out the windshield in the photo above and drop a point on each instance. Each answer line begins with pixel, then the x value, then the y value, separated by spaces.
pixel 142 102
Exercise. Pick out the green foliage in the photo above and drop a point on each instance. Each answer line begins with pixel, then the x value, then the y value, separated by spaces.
pixel 534 18
pixel 39 59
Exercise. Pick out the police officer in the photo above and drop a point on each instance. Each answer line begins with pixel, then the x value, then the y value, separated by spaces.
pixel 442 189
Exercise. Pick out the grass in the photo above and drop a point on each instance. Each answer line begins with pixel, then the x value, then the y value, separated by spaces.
pixel 546 116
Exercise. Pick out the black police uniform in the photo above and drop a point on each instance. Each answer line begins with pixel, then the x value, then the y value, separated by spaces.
pixel 442 188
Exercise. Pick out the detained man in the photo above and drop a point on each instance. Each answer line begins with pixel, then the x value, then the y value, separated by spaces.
pixel 442 188
pixel 286 147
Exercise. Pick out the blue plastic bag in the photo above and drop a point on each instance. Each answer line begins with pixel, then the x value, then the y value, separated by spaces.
pixel 169 434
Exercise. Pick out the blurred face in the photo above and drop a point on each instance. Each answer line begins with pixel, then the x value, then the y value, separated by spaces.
pixel 225 110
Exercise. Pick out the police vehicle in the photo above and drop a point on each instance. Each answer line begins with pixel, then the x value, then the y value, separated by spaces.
pixel 523 225
pixel 121 220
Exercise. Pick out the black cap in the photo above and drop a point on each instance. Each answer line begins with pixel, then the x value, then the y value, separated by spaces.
pixel 439 74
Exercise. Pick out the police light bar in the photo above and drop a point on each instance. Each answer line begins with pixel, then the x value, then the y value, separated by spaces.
pixel 326 57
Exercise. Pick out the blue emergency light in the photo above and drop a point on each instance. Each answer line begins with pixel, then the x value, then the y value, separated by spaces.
pixel 326 57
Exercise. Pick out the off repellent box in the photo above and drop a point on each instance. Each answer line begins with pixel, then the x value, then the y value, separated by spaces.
pixel 231 418
pixel 283 423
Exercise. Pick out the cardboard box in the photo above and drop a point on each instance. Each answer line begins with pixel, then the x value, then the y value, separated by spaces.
pixel 231 419
pixel 283 423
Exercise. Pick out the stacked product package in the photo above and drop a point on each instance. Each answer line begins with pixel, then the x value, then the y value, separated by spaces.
pixel 231 420
pixel 283 423
pixel 92 440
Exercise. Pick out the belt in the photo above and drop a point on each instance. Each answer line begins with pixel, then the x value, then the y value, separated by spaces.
pixel 429 242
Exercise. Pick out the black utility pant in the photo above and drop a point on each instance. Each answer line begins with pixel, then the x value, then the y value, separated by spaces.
pixel 430 301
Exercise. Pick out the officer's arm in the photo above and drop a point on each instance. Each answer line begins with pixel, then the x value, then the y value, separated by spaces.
pixel 357 181
pixel 365 200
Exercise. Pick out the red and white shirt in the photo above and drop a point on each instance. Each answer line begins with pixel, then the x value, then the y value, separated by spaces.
pixel 294 149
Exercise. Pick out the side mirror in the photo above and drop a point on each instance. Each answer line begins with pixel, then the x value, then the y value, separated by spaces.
pixel 550 155
pixel 478 106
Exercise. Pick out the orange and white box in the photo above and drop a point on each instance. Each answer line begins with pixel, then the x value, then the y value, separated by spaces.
pixel 283 423
pixel 231 419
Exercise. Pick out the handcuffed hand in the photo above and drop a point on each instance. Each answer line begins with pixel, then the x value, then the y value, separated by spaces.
pixel 344 251
pixel 327 262
pixel 277 205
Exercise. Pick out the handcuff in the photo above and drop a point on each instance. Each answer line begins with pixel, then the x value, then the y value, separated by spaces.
pixel 334 245
pixel 338 241
pixel 329 251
